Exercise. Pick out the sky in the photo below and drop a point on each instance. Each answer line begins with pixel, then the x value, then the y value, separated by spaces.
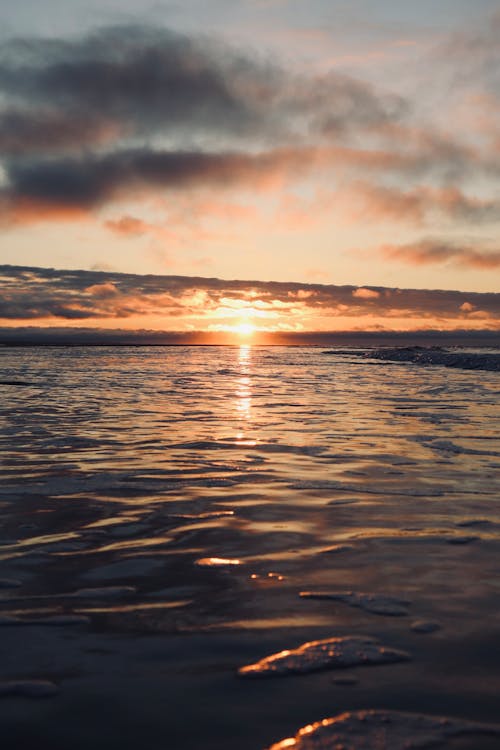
pixel 259 165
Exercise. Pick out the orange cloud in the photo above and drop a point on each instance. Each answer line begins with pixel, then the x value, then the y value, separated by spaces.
pixel 128 226
pixel 107 289
pixel 432 252
pixel 364 293
pixel 18 212
pixel 188 303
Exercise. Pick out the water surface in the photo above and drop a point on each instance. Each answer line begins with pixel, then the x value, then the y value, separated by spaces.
pixel 181 498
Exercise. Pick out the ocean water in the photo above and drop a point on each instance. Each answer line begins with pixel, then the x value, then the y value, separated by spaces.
pixel 174 515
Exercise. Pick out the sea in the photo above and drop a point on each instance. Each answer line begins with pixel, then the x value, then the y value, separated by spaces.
pixel 212 548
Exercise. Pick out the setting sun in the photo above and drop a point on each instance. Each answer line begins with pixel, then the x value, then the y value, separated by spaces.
pixel 244 329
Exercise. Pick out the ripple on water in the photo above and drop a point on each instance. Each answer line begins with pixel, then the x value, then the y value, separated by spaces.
pixel 124 478
pixel 9 583
pixel 217 562
pixel 425 626
pixel 381 730
pixel 462 539
pixel 337 548
pixel 331 653
pixel 51 620
pixel 104 592
pixel 28 688
pixel 378 604
pixel 134 566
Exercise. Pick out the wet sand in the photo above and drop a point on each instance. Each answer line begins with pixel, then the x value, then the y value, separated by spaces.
pixel 158 537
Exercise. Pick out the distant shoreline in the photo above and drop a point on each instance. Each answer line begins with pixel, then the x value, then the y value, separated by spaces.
pixel 32 336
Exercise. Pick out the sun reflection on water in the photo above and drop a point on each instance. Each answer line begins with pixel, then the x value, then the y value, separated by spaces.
pixel 243 392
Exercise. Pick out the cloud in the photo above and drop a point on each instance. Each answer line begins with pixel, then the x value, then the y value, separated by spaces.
pixel 364 293
pixel 78 116
pixel 90 182
pixel 103 290
pixel 146 81
pixel 49 295
pixel 429 252
pixel 86 121
pixel 420 203
pixel 42 130
pixel 65 185
pixel 129 111
pixel 472 55
pixel 128 226
pixel 94 180
pixel 143 78
pixel 59 187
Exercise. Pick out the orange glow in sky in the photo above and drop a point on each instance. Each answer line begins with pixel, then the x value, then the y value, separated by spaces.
pixel 331 190
pixel 246 310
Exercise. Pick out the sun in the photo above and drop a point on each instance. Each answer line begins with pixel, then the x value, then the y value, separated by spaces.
pixel 244 329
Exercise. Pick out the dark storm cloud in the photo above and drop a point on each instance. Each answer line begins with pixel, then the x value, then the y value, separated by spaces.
pixel 39 293
pixel 23 131
pixel 151 81
pixel 92 181
pixel 139 77
pixel 85 182
pixel 86 121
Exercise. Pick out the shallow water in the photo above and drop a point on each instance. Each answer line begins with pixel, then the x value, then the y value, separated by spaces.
pixel 181 498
